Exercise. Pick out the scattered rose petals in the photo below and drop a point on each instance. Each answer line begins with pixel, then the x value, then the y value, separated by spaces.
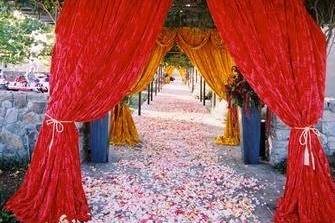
pixel 177 176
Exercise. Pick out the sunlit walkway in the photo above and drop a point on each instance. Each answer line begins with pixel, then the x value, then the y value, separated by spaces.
pixel 179 174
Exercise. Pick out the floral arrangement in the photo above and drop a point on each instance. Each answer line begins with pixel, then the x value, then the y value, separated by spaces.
pixel 240 93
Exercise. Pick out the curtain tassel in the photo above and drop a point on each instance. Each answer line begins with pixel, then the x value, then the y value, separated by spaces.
pixel 305 140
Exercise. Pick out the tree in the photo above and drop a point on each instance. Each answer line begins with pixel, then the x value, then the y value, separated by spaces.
pixel 19 34
pixel 323 11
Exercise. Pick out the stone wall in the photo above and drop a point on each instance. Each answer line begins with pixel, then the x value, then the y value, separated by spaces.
pixel 21 115
pixel 279 142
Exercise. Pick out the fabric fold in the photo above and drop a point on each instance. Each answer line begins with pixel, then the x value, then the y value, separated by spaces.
pixel 284 61
pixel 206 51
pixel 96 60
pixel 123 130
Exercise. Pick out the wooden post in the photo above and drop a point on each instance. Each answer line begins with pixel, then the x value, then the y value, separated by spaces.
pixel 162 78
pixel 139 102
pixel 200 88
pixel 99 140
pixel 204 96
pixel 158 79
pixel 156 84
pixel 148 101
pixel 152 90
pixel 192 80
pixel 214 100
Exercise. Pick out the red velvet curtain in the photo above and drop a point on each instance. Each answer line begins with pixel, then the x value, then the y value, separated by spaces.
pixel 281 52
pixel 101 47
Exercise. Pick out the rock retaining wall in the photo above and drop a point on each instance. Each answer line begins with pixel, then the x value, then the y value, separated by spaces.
pixel 279 142
pixel 21 116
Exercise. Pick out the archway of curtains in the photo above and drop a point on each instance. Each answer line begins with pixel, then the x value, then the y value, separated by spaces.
pixel 96 60
pixel 123 129
pixel 283 59
pixel 206 51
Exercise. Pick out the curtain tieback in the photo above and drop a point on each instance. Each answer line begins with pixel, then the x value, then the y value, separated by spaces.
pixel 306 141
pixel 57 127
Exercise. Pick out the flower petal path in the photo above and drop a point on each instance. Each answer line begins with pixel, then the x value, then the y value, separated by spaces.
pixel 178 174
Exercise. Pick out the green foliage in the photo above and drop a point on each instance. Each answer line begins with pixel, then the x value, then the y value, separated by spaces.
pixel 133 100
pixel 47 7
pixel 177 59
pixel 240 93
pixel 190 13
pixel 18 36
pixel 5 217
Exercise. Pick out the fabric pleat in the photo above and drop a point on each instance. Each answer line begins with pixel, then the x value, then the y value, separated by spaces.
pixel 123 129
pixel 281 52
pixel 126 133
pixel 206 51
pixel 101 47
pixel 231 135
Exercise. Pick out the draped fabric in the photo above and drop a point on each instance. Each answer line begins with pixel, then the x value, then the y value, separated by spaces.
pixel 164 43
pixel 96 60
pixel 123 129
pixel 168 71
pixel 183 73
pixel 231 135
pixel 282 54
pixel 206 51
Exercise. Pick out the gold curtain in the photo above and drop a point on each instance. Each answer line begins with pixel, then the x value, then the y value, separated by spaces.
pixel 168 71
pixel 183 72
pixel 231 135
pixel 164 43
pixel 123 129
pixel 206 51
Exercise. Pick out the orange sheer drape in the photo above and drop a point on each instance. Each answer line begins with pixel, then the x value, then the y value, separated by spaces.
pixel 123 129
pixel 207 53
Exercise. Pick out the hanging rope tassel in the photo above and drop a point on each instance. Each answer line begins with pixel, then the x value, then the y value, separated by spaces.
pixel 305 140
pixel 57 127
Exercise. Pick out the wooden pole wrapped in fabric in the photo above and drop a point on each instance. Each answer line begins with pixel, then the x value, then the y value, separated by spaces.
pixel 99 140
pixel 52 186
pixel 251 130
